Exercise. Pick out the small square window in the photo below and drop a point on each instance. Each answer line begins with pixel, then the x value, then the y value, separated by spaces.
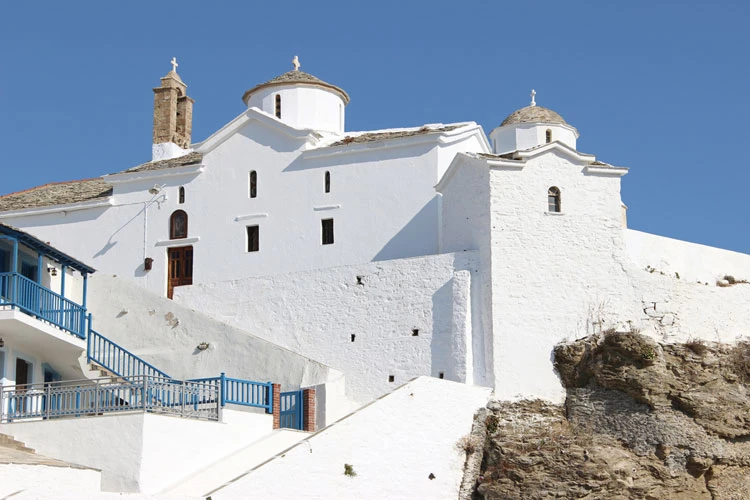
pixel 253 241
pixel 327 227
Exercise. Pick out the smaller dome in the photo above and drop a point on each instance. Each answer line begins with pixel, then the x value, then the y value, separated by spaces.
pixel 299 77
pixel 533 114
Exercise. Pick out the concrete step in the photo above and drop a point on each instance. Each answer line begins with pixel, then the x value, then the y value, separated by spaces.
pixel 8 442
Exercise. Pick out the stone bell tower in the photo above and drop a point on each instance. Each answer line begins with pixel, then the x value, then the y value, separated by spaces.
pixel 173 117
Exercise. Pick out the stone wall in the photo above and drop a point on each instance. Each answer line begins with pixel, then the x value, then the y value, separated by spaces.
pixel 398 319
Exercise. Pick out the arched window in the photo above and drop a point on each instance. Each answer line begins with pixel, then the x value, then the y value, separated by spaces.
pixel 253 191
pixel 553 200
pixel 178 225
pixel 549 135
pixel 182 195
pixel 328 182
pixel 278 106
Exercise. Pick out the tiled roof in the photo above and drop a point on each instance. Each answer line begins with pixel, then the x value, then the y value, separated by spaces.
pixel 533 114
pixel 59 193
pixel 381 136
pixel 296 76
pixel 181 161
pixel 64 193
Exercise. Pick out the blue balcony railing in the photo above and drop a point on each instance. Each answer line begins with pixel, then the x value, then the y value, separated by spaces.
pixel 118 360
pixel 30 297
pixel 242 392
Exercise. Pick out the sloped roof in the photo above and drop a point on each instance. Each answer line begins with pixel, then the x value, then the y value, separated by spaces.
pixel 296 76
pixel 381 136
pixel 64 193
pixel 533 114
pixel 180 161
pixel 58 193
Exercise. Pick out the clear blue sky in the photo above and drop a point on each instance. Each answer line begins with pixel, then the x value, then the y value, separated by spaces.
pixel 660 87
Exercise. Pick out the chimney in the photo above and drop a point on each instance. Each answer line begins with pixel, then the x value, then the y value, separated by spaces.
pixel 173 117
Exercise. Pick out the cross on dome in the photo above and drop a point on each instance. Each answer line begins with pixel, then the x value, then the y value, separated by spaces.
pixel 174 64
pixel 295 62
pixel 533 95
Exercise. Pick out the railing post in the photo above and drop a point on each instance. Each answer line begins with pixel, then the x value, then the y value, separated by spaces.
pixel 222 388
pixel 145 394
pixel 49 400
pixel 182 399
pixel 96 399
pixel 269 397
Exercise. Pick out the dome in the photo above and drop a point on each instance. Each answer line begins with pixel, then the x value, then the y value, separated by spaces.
pixel 533 114
pixel 296 77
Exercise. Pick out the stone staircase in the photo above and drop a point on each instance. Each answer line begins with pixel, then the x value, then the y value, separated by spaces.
pixel 9 443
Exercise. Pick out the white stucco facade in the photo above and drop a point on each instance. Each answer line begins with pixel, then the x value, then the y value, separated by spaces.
pixel 353 262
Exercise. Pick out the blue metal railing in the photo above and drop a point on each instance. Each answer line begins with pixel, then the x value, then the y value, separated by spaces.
pixel 110 395
pixel 243 392
pixel 291 410
pixel 118 360
pixel 32 298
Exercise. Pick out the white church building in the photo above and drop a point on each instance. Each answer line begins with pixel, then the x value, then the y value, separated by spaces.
pixel 285 248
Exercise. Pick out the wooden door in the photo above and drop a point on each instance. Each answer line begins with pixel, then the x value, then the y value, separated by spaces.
pixel 180 268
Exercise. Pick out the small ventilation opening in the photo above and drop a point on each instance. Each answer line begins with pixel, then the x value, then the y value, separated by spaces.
pixel 441 375
pixel 391 378
pixel 415 332
pixel 361 280
pixel 353 337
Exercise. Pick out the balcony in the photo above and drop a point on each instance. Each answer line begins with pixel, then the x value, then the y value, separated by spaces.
pixel 43 317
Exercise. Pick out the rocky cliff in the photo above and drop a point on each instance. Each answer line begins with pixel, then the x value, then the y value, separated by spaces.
pixel 642 420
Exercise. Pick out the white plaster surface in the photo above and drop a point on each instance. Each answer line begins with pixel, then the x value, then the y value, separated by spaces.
pixel 46 480
pixel 522 136
pixel 691 261
pixel 303 106
pixel 139 452
pixel 166 333
pixel 317 312
pixel 393 445
pixel 224 470
pixel 396 177
pixel 561 276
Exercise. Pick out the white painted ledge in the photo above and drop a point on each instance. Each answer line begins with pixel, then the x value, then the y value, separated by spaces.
pixel 554 213
pixel 326 207
pixel 177 243
pixel 250 216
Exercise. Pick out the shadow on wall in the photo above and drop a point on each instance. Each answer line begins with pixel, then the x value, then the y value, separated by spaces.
pixel 440 344
pixel 417 238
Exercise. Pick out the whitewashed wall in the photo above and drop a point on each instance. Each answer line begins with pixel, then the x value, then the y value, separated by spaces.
pixel 690 261
pixel 166 334
pixel 562 276
pixel 382 201
pixel 141 452
pixel 393 445
pixel 303 106
pixel 317 312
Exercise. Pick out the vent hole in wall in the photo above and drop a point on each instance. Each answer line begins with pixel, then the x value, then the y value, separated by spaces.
pixel 353 337
pixel 415 332
pixel 391 378
pixel 441 375
pixel 361 280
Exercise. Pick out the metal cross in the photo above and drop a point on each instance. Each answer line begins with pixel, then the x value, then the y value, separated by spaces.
pixel 533 94
pixel 295 61
pixel 174 64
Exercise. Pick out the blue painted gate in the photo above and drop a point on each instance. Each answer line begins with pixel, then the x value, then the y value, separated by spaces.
pixel 291 410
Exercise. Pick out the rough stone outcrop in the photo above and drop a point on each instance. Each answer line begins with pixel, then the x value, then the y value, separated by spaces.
pixel 642 420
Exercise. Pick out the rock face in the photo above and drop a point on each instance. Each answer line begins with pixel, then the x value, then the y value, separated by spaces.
pixel 641 420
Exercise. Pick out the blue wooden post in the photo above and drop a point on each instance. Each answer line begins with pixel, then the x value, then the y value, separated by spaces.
pixel 222 388
pixel 39 264
pixel 269 399
pixel 14 266
pixel 62 280
pixel 85 289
